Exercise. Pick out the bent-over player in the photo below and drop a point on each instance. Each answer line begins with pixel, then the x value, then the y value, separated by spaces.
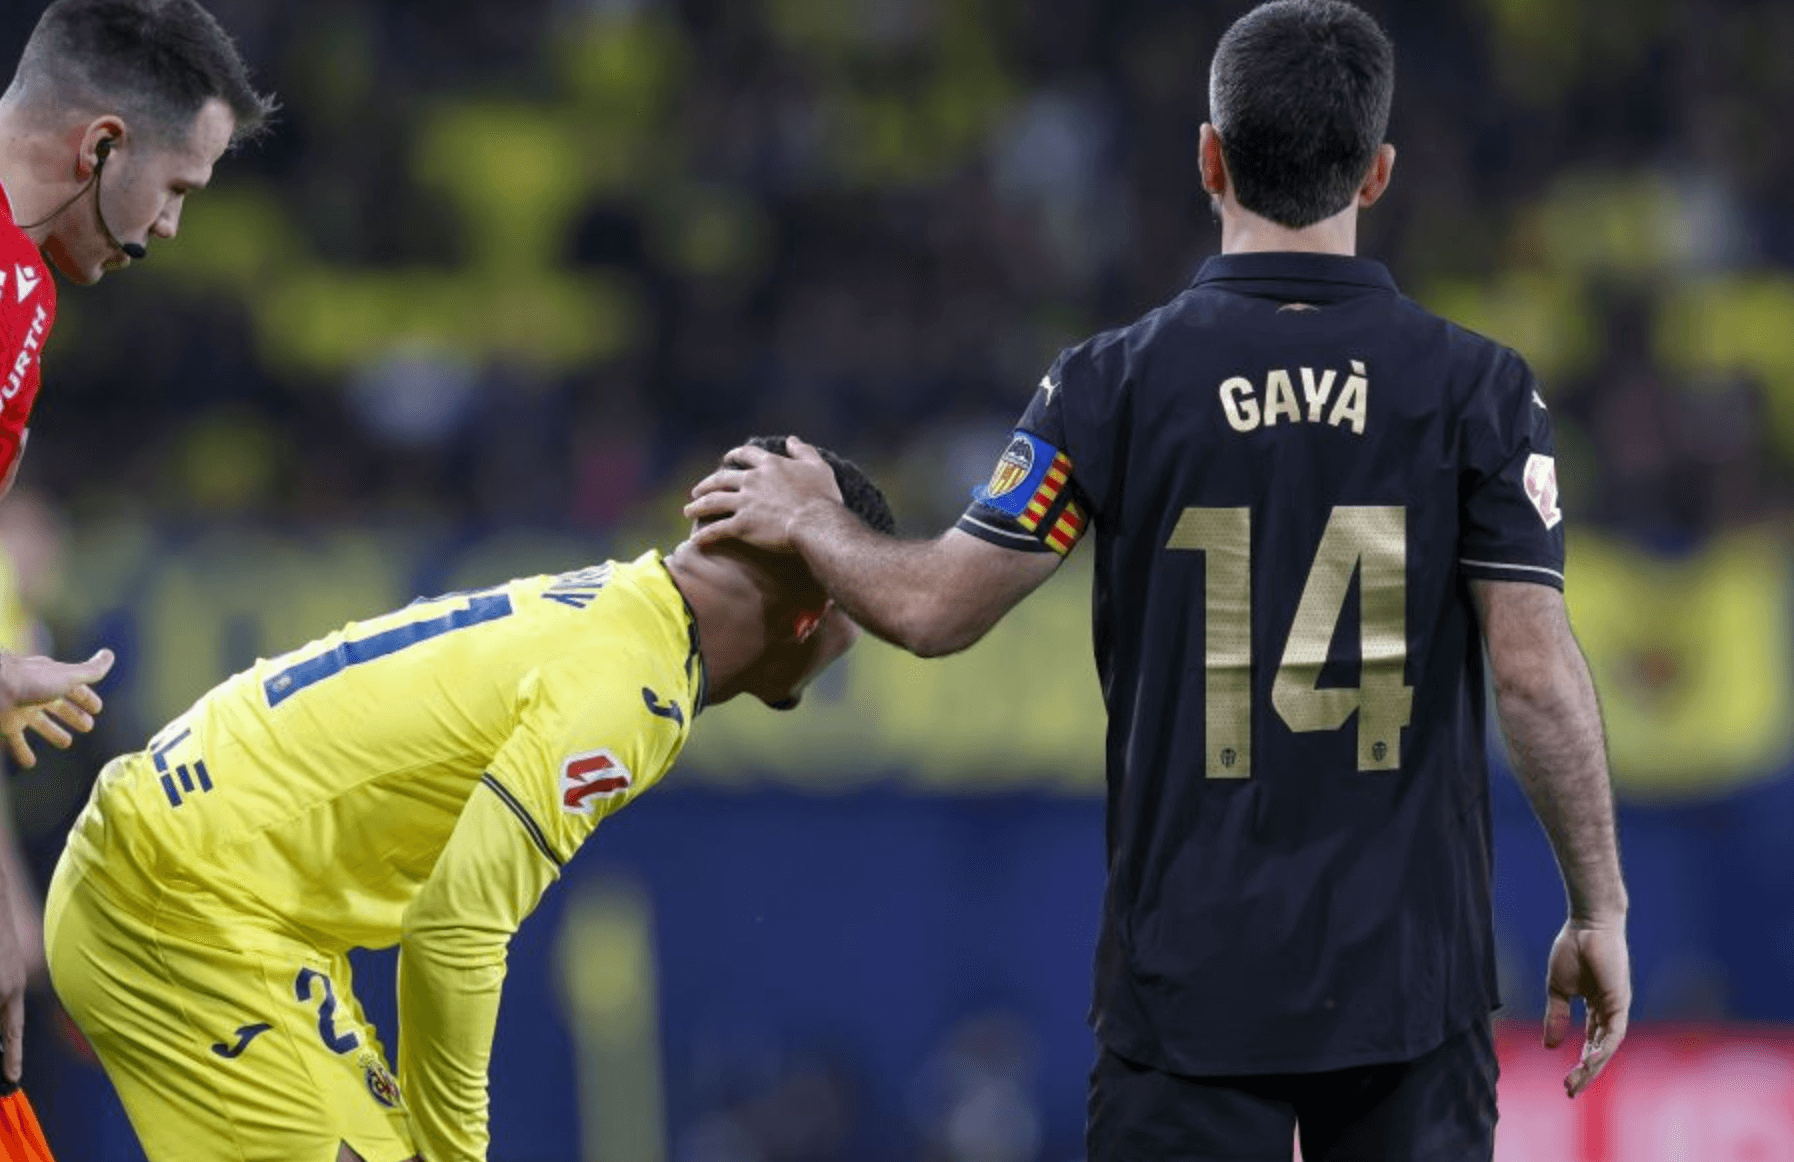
pixel 418 779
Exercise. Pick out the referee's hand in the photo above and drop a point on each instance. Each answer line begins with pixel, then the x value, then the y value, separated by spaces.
pixel 1589 961
pixel 48 698
pixel 37 680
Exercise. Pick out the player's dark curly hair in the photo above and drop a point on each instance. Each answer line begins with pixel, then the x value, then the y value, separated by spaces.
pixel 858 493
pixel 153 61
pixel 1300 93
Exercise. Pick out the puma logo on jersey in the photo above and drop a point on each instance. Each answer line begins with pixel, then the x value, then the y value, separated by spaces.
pixel 589 778
pixel 1246 411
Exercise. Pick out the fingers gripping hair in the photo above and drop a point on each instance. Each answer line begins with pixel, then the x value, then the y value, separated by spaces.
pixel 862 497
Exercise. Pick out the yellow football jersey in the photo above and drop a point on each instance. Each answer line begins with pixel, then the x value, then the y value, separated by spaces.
pixel 418 779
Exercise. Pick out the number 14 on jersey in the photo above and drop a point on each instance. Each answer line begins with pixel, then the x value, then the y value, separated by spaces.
pixel 1371 542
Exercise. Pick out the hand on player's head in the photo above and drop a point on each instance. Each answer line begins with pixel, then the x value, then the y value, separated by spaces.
pixel 759 494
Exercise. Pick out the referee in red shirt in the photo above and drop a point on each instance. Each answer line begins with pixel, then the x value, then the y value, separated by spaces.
pixel 119 109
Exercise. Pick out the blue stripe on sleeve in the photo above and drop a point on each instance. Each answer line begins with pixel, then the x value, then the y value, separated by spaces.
pixel 297 677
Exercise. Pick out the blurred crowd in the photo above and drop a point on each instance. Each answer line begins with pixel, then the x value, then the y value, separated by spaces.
pixel 529 262
pixel 535 262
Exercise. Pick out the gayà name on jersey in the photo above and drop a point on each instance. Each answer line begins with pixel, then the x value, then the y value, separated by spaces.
pixel 1299 395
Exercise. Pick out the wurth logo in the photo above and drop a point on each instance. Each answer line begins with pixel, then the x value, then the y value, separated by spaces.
pixel 587 779
pixel 34 343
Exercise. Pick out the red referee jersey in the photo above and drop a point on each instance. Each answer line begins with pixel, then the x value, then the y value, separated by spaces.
pixel 27 312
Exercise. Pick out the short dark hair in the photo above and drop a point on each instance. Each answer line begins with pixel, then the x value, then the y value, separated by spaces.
pixel 159 60
pixel 1300 92
pixel 858 493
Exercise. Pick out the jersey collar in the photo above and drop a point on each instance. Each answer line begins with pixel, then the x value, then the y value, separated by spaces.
pixel 695 672
pixel 1288 266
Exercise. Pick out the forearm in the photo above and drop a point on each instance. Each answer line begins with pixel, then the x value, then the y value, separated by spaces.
pixel 452 952
pixel 18 896
pixel 1553 726
pixel 449 987
pixel 907 592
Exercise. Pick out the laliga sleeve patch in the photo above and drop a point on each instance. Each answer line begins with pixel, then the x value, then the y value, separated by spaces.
pixel 589 778
pixel 1541 488
pixel 1018 474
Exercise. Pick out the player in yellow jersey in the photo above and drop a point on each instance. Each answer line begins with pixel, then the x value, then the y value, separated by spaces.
pixel 418 779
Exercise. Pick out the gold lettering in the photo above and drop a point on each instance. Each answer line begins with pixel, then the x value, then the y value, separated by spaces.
pixel 1237 402
pixel 1224 538
pixel 1372 542
pixel 1280 398
pixel 1317 393
pixel 1353 400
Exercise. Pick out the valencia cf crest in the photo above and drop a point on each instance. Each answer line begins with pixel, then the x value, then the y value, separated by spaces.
pixel 380 1080
pixel 1013 468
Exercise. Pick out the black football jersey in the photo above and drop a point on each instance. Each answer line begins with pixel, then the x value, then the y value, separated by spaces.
pixel 1290 472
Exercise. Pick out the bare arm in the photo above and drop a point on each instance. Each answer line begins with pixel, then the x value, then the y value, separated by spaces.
pixel 1552 721
pixel 929 597
pixel 32 690
pixel 1546 700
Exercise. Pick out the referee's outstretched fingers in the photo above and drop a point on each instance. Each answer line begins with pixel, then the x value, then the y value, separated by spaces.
pixel 85 697
pixel 72 714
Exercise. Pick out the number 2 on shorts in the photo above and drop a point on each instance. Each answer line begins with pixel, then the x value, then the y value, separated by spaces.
pixel 302 988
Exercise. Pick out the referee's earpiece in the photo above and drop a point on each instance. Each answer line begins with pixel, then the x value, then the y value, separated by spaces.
pixel 102 149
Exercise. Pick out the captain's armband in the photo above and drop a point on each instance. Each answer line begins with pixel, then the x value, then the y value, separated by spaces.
pixel 1031 502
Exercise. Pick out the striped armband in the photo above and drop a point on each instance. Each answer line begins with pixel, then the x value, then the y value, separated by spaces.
pixel 1030 503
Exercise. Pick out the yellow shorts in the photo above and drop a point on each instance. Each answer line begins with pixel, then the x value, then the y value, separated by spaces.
pixel 247 1048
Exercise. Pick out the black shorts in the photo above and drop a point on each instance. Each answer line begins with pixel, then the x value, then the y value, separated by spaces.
pixel 1436 1108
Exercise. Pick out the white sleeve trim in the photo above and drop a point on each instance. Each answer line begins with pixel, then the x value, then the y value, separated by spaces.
pixel 1517 568
pixel 1001 532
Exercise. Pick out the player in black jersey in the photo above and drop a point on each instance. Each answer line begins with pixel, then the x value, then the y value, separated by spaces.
pixel 1316 508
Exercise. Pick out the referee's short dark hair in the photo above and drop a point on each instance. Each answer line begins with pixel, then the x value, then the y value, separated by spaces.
pixel 1299 93
pixel 154 62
